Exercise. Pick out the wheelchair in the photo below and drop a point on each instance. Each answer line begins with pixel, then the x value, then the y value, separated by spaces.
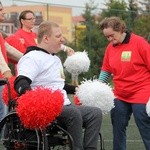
pixel 15 137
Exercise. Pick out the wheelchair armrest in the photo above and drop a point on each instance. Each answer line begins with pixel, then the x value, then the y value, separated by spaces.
pixel 3 81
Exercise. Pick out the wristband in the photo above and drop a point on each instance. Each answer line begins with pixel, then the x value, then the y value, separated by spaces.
pixel 65 48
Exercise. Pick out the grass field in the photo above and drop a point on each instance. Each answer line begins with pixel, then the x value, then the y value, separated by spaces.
pixel 134 141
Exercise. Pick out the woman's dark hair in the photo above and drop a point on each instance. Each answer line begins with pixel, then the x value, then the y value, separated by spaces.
pixel 23 15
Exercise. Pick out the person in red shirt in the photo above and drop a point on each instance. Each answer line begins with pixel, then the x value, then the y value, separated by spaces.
pixel 25 36
pixel 5 71
pixel 127 60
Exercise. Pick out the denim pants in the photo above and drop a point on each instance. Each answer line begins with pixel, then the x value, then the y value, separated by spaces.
pixel 120 116
pixel 74 118
pixel 3 109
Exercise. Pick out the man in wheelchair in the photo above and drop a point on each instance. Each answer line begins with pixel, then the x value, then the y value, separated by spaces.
pixel 41 67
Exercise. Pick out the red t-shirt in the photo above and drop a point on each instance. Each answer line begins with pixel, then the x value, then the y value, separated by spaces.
pixel 2 45
pixel 22 39
pixel 130 65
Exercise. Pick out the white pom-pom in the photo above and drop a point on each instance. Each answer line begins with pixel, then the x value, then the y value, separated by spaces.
pixel 96 93
pixel 77 63
pixel 148 107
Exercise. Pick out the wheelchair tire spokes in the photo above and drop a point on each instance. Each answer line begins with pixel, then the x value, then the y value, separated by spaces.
pixel 16 137
pixel 60 139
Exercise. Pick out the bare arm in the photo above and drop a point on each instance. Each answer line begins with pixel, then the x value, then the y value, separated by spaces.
pixel 4 69
pixel 12 52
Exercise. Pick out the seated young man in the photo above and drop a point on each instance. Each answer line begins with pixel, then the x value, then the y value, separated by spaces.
pixel 41 67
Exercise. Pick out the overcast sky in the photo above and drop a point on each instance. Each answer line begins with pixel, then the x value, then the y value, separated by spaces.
pixel 64 2
pixel 76 5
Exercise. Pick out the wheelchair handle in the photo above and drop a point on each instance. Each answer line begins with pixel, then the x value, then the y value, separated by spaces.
pixel 3 81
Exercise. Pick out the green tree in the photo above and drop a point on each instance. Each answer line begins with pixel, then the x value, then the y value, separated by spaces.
pixel 91 39
pixel 145 6
pixel 142 21
pixel 115 8
pixel 142 26
pixel 133 12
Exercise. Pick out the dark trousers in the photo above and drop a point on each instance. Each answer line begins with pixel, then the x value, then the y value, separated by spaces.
pixel 120 116
pixel 75 118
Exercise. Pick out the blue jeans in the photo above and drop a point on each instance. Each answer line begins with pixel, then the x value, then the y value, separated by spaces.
pixel 120 116
pixel 3 109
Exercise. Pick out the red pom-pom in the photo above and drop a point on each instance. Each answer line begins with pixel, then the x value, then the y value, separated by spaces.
pixel 76 100
pixel 39 107
pixel 13 93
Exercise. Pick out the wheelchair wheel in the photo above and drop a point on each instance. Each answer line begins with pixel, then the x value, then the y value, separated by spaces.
pixel 15 137
pixel 101 145
pixel 58 138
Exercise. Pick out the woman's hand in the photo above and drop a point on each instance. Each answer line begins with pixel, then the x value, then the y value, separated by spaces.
pixel 7 74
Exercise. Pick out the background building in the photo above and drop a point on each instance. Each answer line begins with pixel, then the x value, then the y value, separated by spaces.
pixel 60 15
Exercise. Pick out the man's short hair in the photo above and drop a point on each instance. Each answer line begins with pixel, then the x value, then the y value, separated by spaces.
pixel 45 28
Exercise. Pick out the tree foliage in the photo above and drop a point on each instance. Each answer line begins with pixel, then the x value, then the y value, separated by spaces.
pixel 136 15
pixel 145 6
pixel 115 8
pixel 91 40
pixel 142 21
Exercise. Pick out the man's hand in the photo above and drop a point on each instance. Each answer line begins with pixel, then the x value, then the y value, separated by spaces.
pixel 69 51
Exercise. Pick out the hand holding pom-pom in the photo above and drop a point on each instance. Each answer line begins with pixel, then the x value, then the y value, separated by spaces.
pixel 76 100
pixel 77 63
pixel 39 107
pixel 96 93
